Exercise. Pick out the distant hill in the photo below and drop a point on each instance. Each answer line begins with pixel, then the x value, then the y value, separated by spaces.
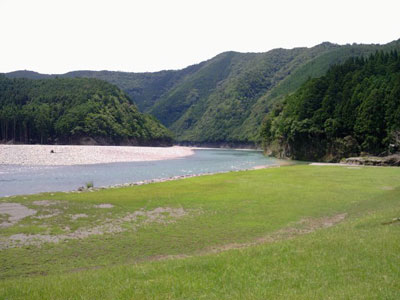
pixel 73 111
pixel 224 99
pixel 353 109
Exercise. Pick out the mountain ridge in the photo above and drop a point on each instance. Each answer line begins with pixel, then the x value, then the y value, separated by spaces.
pixel 224 99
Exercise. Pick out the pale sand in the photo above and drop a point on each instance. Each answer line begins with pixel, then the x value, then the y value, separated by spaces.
pixel 82 155
pixel 328 164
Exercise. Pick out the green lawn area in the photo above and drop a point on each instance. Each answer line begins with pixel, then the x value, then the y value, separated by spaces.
pixel 262 234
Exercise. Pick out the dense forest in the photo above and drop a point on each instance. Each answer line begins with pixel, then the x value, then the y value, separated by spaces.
pixel 354 108
pixel 67 110
pixel 224 99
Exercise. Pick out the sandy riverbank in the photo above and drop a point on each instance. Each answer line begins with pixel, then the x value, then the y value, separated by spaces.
pixel 80 155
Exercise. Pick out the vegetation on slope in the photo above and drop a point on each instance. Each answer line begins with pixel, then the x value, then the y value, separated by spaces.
pixel 245 237
pixel 144 88
pixel 354 108
pixel 65 110
pixel 224 99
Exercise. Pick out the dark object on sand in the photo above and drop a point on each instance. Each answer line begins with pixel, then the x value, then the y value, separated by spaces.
pixel 51 151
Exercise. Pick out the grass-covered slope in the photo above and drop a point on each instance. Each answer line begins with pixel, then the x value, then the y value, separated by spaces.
pixel 299 232
pixel 68 110
pixel 225 98
pixel 354 108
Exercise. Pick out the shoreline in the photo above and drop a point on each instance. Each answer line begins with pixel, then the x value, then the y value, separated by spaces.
pixel 225 149
pixel 172 178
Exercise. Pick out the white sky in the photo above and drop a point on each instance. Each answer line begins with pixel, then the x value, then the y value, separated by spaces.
pixel 57 36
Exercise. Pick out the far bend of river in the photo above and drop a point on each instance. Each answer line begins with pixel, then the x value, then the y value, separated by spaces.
pixel 19 180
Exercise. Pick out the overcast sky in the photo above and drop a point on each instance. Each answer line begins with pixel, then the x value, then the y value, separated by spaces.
pixel 57 36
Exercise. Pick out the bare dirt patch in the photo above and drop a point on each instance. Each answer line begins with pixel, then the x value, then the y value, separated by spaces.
pixel 161 215
pixel 304 226
pixel 48 214
pixel 78 216
pixel 15 212
pixel 328 164
pixel 45 203
pixel 388 188
pixel 393 221
pixel 104 205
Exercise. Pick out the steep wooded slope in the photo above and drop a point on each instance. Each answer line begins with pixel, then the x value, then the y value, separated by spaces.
pixel 354 108
pixel 67 110
pixel 224 99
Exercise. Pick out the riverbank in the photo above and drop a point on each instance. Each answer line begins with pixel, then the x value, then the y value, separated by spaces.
pixel 172 178
pixel 56 155
pixel 221 145
pixel 239 235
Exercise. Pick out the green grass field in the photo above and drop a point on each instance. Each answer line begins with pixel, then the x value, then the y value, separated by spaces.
pixel 295 232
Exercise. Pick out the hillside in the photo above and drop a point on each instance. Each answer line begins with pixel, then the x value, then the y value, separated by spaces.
pixel 224 99
pixel 353 109
pixel 73 110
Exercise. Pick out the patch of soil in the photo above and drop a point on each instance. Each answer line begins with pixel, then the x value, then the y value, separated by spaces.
pixel 388 188
pixel 45 202
pixel 16 212
pixel 304 226
pixel 77 216
pixel 104 205
pixel 393 221
pixel 162 215
pixel 51 213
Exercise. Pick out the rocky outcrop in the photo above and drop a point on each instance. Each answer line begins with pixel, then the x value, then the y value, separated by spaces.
pixel 391 160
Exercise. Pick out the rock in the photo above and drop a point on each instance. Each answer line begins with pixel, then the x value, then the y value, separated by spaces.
pixel 391 160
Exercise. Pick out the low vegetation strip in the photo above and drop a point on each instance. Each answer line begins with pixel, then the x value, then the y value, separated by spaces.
pixel 298 232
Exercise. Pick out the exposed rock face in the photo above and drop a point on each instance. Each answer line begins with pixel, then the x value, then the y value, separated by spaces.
pixel 391 160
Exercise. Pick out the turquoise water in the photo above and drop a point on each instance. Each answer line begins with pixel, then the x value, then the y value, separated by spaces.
pixel 18 180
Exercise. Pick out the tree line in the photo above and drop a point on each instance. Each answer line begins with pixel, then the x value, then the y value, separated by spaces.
pixel 354 109
pixel 64 110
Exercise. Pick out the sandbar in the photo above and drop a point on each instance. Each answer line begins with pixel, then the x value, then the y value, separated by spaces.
pixel 60 155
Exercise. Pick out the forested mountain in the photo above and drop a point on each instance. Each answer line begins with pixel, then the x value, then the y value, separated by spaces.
pixel 73 110
pixel 354 108
pixel 224 99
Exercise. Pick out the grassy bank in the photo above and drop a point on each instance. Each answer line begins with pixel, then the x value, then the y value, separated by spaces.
pixel 297 232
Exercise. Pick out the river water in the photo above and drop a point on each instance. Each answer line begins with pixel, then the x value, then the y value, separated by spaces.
pixel 18 180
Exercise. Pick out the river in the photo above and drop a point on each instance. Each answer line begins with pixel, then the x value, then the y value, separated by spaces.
pixel 18 180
